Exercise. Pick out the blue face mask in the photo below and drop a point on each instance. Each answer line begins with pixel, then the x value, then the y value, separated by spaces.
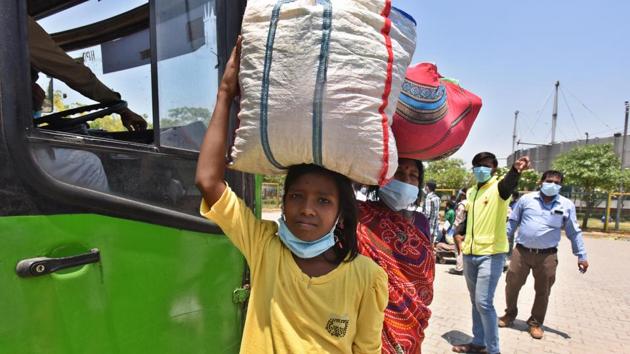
pixel 305 249
pixel 398 195
pixel 550 189
pixel 482 173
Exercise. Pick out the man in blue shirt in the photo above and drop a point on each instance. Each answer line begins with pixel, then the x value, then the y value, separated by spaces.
pixel 540 216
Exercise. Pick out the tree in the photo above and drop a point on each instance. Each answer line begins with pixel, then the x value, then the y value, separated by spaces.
pixel 448 173
pixel 58 104
pixel 110 123
pixel 113 123
pixel 185 115
pixel 527 182
pixel 593 169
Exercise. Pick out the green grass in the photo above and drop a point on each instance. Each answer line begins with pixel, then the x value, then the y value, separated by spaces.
pixel 596 224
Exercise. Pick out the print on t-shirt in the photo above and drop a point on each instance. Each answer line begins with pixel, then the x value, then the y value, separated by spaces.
pixel 337 325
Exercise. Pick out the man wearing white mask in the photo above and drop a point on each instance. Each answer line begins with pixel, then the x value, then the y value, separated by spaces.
pixel 540 216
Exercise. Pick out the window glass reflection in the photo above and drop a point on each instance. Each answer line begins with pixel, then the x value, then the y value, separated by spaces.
pixel 187 70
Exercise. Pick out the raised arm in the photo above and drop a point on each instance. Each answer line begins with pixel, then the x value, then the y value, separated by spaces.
pixel 510 181
pixel 211 165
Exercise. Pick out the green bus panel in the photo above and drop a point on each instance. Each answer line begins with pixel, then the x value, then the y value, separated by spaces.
pixel 155 290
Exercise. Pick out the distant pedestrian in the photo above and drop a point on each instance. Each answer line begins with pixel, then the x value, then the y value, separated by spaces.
pixel 431 210
pixel 485 246
pixel 460 215
pixel 539 217
pixel 449 220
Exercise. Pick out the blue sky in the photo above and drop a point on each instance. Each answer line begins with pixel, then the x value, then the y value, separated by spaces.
pixel 509 53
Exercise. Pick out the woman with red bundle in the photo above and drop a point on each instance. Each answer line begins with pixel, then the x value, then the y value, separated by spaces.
pixel 398 240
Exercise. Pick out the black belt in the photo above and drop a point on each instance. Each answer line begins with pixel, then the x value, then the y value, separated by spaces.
pixel 537 250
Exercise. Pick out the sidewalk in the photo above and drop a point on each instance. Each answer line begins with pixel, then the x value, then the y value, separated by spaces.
pixel 588 313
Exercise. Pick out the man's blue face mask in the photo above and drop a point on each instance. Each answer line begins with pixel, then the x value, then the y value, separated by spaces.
pixel 550 189
pixel 482 173
pixel 398 195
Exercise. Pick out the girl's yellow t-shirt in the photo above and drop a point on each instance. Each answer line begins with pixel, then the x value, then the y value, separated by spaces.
pixel 290 312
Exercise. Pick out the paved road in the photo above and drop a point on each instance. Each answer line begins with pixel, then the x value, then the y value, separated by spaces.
pixel 588 313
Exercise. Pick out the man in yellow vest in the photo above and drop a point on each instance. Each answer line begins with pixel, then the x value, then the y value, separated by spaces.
pixel 486 245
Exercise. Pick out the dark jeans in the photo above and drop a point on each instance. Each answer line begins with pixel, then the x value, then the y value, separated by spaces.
pixel 543 268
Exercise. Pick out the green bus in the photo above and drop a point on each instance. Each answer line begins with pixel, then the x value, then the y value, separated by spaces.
pixel 132 267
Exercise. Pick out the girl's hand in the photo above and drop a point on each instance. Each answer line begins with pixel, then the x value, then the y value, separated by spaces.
pixel 229 83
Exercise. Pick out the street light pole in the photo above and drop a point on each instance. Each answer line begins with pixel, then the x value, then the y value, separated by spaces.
pixel 623 159
pixel 554 115
pixel 514 135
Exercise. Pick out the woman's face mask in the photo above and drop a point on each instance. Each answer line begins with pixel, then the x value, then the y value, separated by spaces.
pixel 398 195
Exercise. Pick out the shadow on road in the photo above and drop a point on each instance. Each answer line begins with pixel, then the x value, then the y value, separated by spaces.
pixel 456 337
pixel 522 326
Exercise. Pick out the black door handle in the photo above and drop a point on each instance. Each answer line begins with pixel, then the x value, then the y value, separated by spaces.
pixel 33 267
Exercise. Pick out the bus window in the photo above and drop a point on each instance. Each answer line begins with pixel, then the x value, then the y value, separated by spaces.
pixel 157 179
pixel 105 157
pixel 85 13
pixel 115 51
pixel 187 70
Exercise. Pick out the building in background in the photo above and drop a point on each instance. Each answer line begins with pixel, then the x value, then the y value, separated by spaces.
pixel 542 156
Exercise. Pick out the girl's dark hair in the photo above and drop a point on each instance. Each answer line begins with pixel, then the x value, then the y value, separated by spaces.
pixel 346 249
pixel 373 190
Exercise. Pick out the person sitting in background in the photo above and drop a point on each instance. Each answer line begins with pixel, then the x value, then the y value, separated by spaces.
pixel 449 220
pixel 445 245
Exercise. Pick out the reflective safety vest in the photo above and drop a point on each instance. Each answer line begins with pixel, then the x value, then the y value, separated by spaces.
pixel 486 227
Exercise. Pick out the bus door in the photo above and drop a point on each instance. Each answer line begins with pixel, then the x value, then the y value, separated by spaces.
pixel 102 248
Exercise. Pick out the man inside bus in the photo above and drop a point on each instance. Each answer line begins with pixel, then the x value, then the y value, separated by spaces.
pixel 77 167
pixel 49 58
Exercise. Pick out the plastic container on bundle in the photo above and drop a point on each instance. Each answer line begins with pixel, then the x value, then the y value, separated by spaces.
pixel 433 115
pixel 319 84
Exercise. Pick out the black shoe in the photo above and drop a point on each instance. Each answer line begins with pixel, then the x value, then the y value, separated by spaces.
pixel 455 271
